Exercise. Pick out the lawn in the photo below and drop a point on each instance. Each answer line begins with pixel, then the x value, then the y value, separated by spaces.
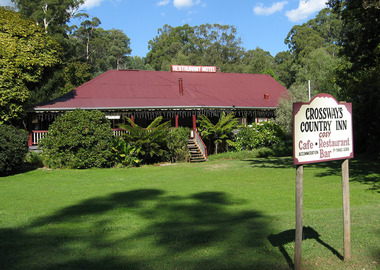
pixel 223 214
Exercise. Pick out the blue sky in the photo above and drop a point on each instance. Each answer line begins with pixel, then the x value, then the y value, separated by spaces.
pixel 260 23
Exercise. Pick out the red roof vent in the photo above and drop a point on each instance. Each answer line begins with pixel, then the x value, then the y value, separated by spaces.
pixel 180 81
pixel 266 96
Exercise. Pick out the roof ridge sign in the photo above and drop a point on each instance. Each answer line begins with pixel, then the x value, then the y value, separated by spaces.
pixel 322 130
pixel 182 68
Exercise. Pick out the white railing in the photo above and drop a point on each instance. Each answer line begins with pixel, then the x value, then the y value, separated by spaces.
pixel 118 132
pixel 195 135
pixel 37 135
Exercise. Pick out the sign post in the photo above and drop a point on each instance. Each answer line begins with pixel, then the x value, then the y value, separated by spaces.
pixel 322 131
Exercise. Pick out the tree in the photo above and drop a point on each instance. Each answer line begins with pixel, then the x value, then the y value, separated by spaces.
pixel 256 61
pixel 51 14
pixel 206 44
pixel 168 43
pixel 101 49
pixel 25 53
pixel 58 81
pixel 218 45
pixel 220 132
pixel 84 35
pixel 283 63
pixel 320 32
pixel 284 112
pixel 319 67
pixel 358 75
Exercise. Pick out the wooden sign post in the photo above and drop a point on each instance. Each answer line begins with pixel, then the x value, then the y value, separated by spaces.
pixel 346 212
pixel 299 217
pixel 322 131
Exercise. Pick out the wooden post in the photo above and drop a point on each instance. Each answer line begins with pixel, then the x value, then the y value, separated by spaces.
pixel 299 217
pixel 346 212
pixel 194 122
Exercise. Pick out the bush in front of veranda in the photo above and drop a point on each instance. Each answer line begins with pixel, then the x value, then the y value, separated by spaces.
pixel 79 139
pixel 264 134
pixel 13 148
pixel 177 144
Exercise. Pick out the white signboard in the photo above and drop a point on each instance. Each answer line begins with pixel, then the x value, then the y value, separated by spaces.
pixel 181 68
pixel 322 130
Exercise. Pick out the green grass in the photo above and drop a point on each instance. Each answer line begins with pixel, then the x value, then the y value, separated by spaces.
pixel 223 214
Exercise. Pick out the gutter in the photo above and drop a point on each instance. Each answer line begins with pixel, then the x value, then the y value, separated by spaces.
pixel 150 108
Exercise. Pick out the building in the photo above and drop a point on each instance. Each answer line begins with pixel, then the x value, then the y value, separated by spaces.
pixel 179 96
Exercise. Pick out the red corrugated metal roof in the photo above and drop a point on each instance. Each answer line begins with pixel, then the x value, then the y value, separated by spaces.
pixel 127 89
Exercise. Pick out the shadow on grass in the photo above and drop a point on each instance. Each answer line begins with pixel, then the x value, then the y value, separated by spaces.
pixel 274 163
pixel 361 170
pixel 143 229
pixel 281 239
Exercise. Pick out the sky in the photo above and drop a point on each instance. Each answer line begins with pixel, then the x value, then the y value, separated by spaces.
pixel 259 23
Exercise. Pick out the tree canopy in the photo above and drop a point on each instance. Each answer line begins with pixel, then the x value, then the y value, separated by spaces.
pixel 25 53
pixel 358 75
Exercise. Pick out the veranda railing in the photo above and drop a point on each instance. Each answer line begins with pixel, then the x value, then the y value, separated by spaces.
pixel 36 135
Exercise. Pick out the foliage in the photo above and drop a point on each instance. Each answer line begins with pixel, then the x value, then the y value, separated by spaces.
pixel 177 144
pixel 102 49
pixel 79 139
pixel 283 66
pixel 313 54
pixel 125 153
pixel 59 81
pixel 264 134
pixel 284 112
pixel 256 61
pixel 219 133
pixel 358 75
pixel 320 32
pixel 25 52
pixel 51 14
pixel 137 62
pixel 34 159
pixel 148 143
pixel 13 148
pixel 205 44
pixel 319 67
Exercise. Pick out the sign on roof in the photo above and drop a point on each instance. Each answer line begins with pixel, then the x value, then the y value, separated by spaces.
pixel 179 68
pixel 322 130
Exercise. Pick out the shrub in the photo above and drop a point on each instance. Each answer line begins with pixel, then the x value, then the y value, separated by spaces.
pixel 264 134
pixel 13 148
pixel 150 142
pixel 34 159
pixel 177 144
pixel 79 139
pixel 125 153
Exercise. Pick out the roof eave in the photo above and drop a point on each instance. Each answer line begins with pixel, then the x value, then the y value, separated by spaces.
pixel 151 108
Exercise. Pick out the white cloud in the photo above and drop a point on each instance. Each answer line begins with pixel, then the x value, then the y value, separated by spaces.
pixel 305 9
pixel 261 10
pixel 163 2
pixel 91 3
pixel 185 3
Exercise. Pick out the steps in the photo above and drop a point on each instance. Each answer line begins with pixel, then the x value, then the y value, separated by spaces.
pixel 196 154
